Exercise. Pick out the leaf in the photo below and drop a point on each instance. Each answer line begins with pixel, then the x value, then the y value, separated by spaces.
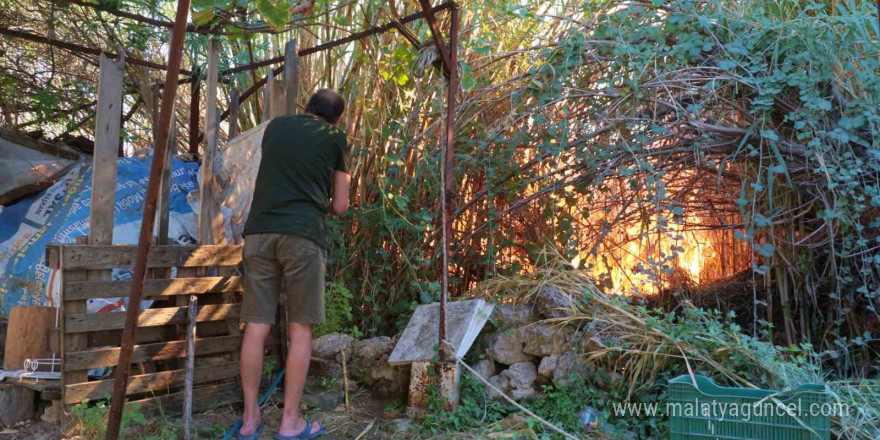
pixel 201 18
pixel 401 79
pixel 467 77
pixel 276 14
pixel 205 4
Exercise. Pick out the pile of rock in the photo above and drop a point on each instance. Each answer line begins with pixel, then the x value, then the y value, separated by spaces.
pixel 527 352
pixel 366 362
pixel 524 352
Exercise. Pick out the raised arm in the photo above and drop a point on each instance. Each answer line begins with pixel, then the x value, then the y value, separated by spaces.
pixel 341 185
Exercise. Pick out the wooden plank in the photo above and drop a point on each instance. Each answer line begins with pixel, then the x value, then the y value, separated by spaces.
pixel 204 398
pixel 212 128
pixel 146 383
pixel 83 322
pixel 79 257
pixel 291 77
pixel 105 357
pixel 105 159
pixel 27 336
pixel 276 107
pixel 111 338
pixel 75 290
pixel 71 343
pixel 214 212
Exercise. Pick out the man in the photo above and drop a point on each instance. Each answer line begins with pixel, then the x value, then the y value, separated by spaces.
pixel 303 176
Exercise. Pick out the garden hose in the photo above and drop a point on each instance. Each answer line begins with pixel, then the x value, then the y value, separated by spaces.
pixel 262 400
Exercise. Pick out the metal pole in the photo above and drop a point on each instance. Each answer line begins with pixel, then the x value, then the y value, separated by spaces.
pixel 447 180
pixel 140 265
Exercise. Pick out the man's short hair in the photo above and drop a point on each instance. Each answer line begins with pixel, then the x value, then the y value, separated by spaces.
pixel 327 105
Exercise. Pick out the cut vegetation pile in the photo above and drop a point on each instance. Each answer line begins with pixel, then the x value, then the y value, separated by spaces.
pixel 649 347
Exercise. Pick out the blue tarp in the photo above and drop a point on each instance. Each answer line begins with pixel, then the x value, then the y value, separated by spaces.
pixel 60 213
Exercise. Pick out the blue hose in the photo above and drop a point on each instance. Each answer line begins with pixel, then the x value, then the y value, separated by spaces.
pixel 262 400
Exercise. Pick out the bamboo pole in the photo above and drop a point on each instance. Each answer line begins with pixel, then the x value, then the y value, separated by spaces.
pixel 146 234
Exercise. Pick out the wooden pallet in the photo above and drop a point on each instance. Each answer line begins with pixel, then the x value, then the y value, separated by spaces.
pixel 93 340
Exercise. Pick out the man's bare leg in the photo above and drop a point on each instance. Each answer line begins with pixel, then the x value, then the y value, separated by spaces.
pixel 299 355
pixel 251 363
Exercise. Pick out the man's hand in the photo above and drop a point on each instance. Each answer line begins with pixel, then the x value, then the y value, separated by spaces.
pixel 341 185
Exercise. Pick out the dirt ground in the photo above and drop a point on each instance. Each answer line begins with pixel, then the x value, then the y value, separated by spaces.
pixel 364 419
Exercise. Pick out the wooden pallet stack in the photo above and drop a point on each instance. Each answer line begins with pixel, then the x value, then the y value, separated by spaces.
pixel 93 340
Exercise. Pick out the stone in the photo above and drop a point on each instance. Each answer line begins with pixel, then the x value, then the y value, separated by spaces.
pixel 606 381
pixel 386 380
pixel 570 366
pixel 401 425
pixel 510 315
pixel 553 303
pixel 523 394
pixel 500 382
pixel 367 354
pixel 325 368
pixel 16 405
pixel 485 368
pixel 507 348
pixel 54 413
pixel 546 339
pixel 329 346
pixel 327 400
pixel 548 365
pixel 521 375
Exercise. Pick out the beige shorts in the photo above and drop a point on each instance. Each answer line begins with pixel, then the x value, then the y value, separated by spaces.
pixel 283 262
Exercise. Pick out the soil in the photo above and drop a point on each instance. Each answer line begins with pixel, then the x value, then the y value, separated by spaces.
pixel 364 419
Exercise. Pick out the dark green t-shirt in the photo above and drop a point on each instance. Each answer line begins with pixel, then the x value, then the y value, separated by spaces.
pixel 295 179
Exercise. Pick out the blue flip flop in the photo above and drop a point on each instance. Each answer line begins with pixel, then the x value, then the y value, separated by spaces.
pixel 252 436
pixel 305 434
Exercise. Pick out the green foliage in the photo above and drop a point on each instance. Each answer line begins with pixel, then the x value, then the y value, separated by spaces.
pixel 475 410
pixel 91 420
pixel 337 306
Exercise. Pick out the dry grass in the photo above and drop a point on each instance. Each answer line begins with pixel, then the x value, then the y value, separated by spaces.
pixel 644 345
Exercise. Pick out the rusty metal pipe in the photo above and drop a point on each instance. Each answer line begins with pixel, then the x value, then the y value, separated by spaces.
pixel 169 95
pixel 448 155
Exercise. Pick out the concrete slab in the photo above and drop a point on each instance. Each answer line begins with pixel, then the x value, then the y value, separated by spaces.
pixel 464 320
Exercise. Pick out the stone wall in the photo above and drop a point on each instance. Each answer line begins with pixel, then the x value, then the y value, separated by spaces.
pixel 522 348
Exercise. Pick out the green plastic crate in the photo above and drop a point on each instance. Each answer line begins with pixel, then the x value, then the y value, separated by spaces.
pixel 755 419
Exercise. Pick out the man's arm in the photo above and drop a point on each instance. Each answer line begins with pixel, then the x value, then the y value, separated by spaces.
pixel 341 185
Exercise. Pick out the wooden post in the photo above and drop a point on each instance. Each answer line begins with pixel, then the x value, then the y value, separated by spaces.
pixel 146 234
pixel 267 96
pixel 211 140
pixel 194 115
pixel 291 77
pixel 105 158
pixel 233 114
pixel 276 108
pixel 103 197
pixel 191 313
pixel 165 191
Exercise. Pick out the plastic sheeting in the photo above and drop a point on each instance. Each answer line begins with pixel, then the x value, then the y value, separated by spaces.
pixel 235 170
pixel 60 213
